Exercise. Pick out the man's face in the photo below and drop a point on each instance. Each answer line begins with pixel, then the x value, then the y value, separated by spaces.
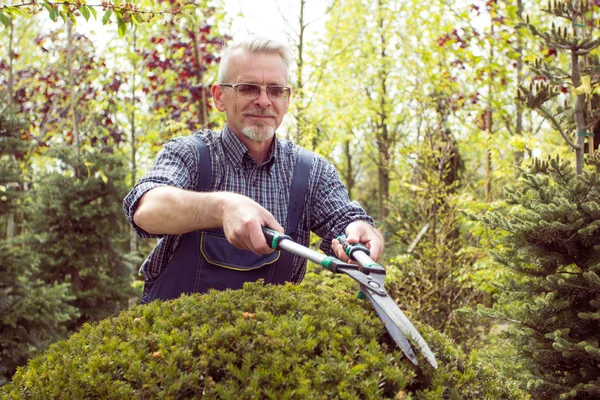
pixel 256 119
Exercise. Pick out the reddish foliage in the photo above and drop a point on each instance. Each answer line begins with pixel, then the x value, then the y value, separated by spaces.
pixel 43 92
pixel 188 53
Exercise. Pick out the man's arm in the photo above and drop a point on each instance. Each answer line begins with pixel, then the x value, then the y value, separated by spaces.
pixel 170 210
pixel 333 213
pixel 164 202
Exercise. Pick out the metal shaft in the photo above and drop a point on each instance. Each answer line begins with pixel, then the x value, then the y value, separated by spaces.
pixel 302 251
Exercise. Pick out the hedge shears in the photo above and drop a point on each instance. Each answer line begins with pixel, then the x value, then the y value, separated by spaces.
pixel 371 278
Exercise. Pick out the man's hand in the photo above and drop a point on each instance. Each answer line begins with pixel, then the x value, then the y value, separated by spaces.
pixel 243 220
pixel 360 231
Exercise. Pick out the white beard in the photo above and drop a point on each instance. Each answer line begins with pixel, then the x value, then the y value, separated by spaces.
pixel 260 133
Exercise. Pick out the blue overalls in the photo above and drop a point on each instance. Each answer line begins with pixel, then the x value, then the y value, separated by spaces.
pixel 205 259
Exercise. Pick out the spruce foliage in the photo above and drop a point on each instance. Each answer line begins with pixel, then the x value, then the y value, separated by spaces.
pixel 12 149
pixel 32 314
pixel 77 219
pixel 267 342
pixel 551 243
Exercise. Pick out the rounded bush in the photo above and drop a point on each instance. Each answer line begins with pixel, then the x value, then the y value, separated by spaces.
pixel 272 342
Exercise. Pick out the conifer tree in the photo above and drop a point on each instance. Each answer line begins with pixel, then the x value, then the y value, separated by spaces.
pixel 32 314
pixel 79 226
pixel 551 243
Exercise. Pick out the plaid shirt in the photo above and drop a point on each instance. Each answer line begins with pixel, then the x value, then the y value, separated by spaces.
pixel 327 209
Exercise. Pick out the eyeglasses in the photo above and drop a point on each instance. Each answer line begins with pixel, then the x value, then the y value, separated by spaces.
pixel 252 91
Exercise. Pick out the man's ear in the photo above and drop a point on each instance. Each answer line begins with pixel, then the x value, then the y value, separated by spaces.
pixel 217 94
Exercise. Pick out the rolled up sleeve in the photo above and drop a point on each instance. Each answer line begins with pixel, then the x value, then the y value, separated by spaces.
pixel 176 165
pixel 332 209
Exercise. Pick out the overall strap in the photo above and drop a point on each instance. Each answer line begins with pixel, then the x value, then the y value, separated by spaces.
pixel 204 165
pixel 298 191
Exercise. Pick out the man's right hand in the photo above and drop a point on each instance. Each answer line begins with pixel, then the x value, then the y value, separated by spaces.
pixel 243 220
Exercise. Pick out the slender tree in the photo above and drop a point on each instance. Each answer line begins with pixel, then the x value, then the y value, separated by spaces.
pixel 574 33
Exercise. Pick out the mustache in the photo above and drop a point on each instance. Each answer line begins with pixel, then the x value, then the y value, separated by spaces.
pixel 259 113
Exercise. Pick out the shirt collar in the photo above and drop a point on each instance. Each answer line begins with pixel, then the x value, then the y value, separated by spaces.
pixel 235 150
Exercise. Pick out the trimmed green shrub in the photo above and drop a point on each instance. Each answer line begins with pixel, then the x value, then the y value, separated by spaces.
pixel 275 342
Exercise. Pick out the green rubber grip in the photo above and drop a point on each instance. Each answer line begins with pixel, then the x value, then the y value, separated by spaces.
pixel 274 238
pixel 351 248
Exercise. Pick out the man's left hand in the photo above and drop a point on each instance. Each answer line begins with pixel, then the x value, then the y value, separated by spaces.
pixel 363 232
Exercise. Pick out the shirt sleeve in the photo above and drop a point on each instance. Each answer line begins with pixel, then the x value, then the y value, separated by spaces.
pixel 332 210
pixel 176 165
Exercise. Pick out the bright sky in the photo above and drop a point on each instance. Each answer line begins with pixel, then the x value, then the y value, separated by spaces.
pixel 274 18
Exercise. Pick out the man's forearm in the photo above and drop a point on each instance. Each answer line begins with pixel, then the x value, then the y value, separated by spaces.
pixel 170 210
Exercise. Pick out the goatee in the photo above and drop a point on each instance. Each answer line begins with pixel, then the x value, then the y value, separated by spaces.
pixel 259 133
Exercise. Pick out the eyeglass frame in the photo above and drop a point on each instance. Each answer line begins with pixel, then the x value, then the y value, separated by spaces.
pixel 265 88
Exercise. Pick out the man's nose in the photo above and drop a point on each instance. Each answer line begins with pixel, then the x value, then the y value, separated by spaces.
pixel 263 99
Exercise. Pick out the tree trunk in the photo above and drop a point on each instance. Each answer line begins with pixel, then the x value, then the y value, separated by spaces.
pixel 10 222
pixel 299 101
pixel 201 110
pixel 11 79
pixel 133 237
pixel 488 117
pixel 73 94
pixel 579 102
pixel 383 140
pixel 519 155
pixel 349 173
pixel 579 117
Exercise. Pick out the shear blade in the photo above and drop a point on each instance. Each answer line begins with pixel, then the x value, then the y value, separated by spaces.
pixel 394 331
pixel 397 318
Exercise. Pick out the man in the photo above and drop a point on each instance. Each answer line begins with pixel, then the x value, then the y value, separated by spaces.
pixel 209 195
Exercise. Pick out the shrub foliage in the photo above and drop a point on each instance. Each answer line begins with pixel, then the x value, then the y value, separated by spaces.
pixel 259 342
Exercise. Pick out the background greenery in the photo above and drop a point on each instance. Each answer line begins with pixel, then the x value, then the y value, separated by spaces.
pixel 433 112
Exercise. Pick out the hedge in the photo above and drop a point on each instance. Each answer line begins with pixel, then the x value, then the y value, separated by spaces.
pixel 272 342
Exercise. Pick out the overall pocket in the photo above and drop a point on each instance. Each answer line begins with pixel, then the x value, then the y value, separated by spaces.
pixel 222 266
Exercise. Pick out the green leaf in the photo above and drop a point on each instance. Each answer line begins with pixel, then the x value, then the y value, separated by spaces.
pixel 103 176
pixel 4 19
pixel 585 87
pixel 189 6
pixel 93 10
pixel 106 16
pixel 137 18
pixel 53 14
pixel 122 27
pixel 12 11
pixel 47 6
pixel 85 12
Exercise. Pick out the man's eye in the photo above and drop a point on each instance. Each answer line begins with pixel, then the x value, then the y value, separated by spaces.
pixel 276 91
pixel 247 89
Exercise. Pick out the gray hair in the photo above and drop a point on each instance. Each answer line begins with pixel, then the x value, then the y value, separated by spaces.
pixel 254 45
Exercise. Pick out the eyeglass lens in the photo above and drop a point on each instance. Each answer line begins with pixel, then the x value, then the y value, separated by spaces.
pixel 250 91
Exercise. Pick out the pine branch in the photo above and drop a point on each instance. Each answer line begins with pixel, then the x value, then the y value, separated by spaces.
pixel 567 139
